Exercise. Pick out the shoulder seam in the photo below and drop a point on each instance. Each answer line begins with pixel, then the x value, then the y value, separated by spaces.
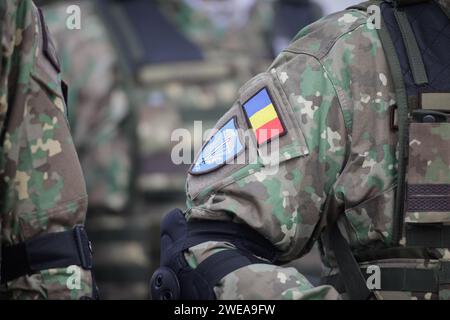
pixel 323 53
pixel 347 130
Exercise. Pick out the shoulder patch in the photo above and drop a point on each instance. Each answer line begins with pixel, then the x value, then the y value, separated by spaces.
pixel 263 117
pixel 221 148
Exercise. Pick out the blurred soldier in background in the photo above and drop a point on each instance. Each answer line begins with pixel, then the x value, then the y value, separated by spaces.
pixel 332 6
pixel 139 69
pixel 45 253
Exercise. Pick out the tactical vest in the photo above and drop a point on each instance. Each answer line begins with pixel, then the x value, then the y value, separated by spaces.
pixel 415 35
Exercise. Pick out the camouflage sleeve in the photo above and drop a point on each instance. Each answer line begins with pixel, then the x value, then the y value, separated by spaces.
pixel 282 198
pixel 42 186
pixel 99 110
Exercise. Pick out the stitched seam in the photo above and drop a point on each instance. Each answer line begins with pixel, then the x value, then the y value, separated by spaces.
pixel 326 51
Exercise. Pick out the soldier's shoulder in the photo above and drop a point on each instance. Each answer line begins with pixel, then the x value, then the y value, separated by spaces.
pixel 319 38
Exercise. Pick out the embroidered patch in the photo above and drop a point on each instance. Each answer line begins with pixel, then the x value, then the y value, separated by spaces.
pixel 221 148
pixel 263 117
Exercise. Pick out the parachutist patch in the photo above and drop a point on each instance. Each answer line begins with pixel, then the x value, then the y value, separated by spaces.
pixel 263 117
pixel 221 148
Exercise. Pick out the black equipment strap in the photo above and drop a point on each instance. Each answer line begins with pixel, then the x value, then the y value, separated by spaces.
pixel 403 132
pixel 249 245
pixel 349 270
pixel 179 235
pixel 427 235
pixel 242 236
pixel 54 250
pixel 412 48
pixel 401 3
pixel 402 279
pixel 222 263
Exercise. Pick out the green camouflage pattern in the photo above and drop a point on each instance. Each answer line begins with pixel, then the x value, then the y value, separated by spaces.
pixel 445 4
pixel 111 118
pixel 235 53
pixel 429 164
pixel 97 128
pixel 334 91
pixel 43 189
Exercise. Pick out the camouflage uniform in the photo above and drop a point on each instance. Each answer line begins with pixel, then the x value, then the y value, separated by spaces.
pixel 42 185
pixel 333 90
pixel 114 116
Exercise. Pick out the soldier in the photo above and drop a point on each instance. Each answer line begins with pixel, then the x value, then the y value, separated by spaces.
pixel 45 251
pixel 358 120
pixel 139 70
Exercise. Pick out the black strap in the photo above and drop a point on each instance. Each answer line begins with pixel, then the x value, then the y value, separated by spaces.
pixel 222 263
pixel 240 235
pixel 412 48
pixel 402 116
pixel 349 270
pixel 402 3
pixel 427 235
pixel 54 250
pixel 249 245
pixel 402 279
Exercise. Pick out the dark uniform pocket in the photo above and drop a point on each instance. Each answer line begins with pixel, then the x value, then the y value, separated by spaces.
pixel 428 176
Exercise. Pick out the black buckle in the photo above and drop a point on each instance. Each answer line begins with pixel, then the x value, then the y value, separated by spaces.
pixel 393 117
pixel 164 285
pixel 84 246
pixel 430 116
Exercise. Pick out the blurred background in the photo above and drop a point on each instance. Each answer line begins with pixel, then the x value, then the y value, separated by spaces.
pixel 137 70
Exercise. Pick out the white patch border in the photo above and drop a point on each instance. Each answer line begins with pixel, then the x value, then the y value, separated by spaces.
pixel 217 167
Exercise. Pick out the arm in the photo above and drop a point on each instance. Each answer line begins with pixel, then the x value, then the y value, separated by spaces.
pixel 42 186
pixel 284 205
pixel 328 87
pixel 99 109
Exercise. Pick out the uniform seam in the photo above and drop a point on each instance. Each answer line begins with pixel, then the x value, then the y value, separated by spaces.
pixel 347 152
pixel 60 208
pixel 341 109
pixel 326 51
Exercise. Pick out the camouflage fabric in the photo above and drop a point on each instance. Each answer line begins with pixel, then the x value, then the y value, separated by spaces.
pixel 235 52
pixel 333 90
pixel 112 117
pixel 99 115
pixel 42 185
pixel 97 127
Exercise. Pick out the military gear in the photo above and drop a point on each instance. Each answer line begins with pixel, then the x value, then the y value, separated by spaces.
pixel 422 207
pixel 43 196
pixel 126 104
pixel 55 250
pixel 340 162
pixel 177 235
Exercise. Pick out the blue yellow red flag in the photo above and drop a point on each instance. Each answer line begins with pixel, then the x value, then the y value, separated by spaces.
pixel 263 117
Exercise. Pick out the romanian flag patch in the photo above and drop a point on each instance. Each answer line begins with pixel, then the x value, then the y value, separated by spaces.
pixel 263 117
